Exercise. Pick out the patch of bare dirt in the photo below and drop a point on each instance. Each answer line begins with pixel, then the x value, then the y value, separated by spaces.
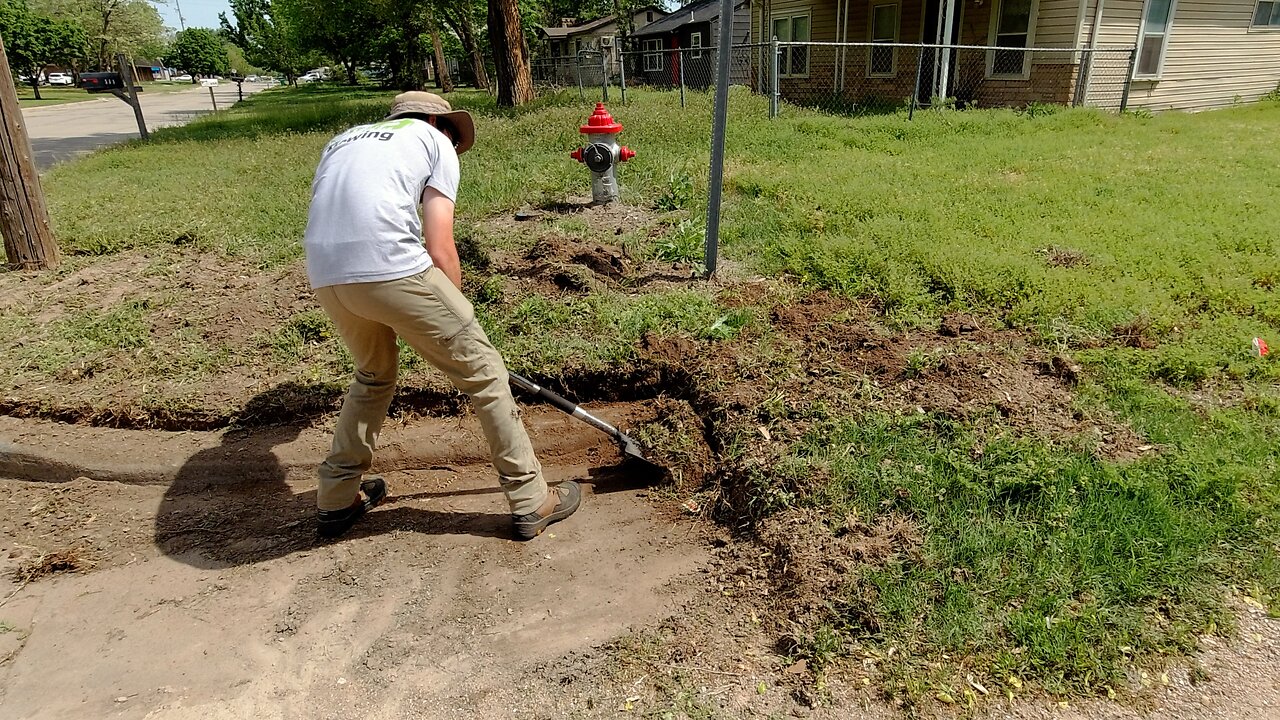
pixel 194 307
pixel 549 260
pixel 812 562
pixel 426 609
pixel 828 348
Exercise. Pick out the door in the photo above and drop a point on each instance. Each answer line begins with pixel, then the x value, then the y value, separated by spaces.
pixel 935 61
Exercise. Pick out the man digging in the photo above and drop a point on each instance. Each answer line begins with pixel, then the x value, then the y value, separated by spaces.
pixel 381 271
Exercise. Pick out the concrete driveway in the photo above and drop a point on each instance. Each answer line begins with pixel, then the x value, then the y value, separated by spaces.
pixel 61 132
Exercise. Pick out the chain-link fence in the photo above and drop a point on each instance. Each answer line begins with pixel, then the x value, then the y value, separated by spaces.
pixel 862 78
pixel 592 72
pixel 868 78
pixel 693 69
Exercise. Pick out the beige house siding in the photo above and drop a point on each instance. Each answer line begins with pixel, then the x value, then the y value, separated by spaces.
pixel 1058 24
pixel 1213 59
pixel 1213 56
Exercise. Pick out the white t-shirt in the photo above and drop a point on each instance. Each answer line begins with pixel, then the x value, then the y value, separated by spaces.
pixel 363 225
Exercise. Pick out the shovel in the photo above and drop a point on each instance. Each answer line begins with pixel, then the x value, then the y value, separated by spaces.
pixel 630 449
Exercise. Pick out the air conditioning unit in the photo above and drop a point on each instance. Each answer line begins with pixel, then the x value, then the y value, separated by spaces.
pixel 606 41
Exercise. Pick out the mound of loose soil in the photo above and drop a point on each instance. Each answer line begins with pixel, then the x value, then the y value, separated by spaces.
pixel 812 562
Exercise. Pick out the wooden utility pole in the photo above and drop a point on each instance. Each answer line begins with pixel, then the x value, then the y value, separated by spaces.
pixel 24 217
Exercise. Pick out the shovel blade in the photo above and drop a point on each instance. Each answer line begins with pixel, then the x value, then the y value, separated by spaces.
pixel 631 453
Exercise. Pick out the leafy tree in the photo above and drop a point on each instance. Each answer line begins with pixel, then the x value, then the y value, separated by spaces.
pixel 239 64
pixel 461 16
pixel 267 37
pixel 33 41
pixel 345 30
pixel 132 27
pixel 200 52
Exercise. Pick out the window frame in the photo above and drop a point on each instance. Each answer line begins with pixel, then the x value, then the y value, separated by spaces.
pixel 784 64
pixel 695 45
pixel 653 54
pixel 871 37
pixel 1164 46
pixel 993 40
pixel 1275 16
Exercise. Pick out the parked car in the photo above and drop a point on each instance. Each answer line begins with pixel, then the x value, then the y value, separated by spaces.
pixel 184 77
pixel 58 78
pixel 309 78
pixel 251 78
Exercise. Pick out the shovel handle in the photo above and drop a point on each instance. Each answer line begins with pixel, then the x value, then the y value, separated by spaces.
pixel 560 402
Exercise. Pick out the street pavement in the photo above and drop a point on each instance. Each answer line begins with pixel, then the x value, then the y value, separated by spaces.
pixel 61 132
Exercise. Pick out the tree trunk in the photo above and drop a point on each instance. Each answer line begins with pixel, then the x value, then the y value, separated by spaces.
pixel 442 69
pixel 461 25
pixel 24 217
pixel 35 82
pixel 515 82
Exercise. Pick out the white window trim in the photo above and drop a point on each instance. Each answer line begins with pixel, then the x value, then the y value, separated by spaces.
pixel 871 35
pixel 1031 42
pixel 1164 46
pixel 784 66
pixel 1260 28
pixel 695 54
pixel 652 55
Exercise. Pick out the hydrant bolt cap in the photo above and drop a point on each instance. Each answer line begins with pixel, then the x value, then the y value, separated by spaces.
pixel 601 122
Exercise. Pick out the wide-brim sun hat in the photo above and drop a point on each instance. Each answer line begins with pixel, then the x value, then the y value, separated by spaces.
pixel 419 102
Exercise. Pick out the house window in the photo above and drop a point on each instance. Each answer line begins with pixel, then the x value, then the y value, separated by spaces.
pixel 1267 15
pixel 1012 30
pixel 884 30
pixel 652 55
pixel 648 17
pixel 695 43
pixel 793 61
pixel 1154 37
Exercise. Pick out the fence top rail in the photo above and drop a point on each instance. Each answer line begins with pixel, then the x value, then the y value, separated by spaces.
pixel 1115 48
pixel 700 48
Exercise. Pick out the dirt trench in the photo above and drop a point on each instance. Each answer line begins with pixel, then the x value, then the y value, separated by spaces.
pixel 151 574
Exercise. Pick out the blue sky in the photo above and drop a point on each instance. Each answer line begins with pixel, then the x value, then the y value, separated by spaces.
pixel 198 13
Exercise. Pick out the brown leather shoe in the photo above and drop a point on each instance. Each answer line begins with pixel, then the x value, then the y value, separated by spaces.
pixel 332 523
pixel 561 502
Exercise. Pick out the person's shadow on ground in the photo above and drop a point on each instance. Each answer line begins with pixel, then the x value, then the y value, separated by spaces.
pixel 233 505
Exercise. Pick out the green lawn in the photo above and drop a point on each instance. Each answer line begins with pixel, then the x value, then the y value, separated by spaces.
pixel 1148 248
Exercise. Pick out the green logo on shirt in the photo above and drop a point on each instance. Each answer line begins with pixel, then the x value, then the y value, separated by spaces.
pixel 378 131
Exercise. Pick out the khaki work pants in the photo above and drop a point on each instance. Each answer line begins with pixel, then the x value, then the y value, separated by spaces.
pixel 438 322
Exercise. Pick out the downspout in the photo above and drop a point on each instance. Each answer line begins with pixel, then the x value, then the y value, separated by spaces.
pixel 944 80
pixel 1082 87
pixel 844 51
pixel 835 76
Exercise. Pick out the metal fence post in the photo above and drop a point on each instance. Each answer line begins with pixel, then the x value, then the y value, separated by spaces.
pixel 774 93
pixel 720 118
pixel 577 69
pixel 604 75
pixel 1128 80
pixel 1082 78
pixel 915 92
pixel 622 74
pixel 680 59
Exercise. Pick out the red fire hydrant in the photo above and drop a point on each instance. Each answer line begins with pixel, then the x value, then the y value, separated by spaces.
pixel 603 154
